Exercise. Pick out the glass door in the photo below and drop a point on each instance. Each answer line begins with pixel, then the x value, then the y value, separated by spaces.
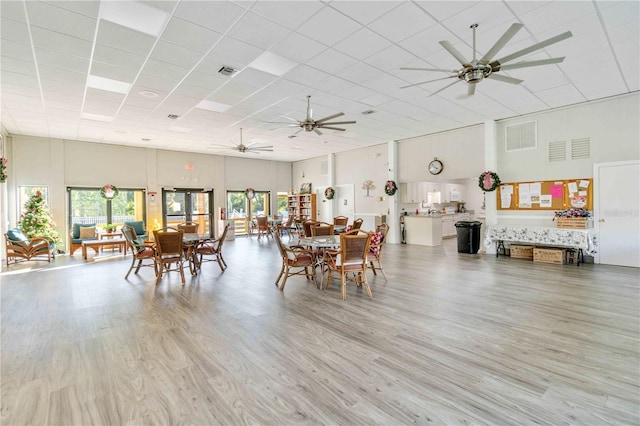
pixel 188 205
pixel 243 210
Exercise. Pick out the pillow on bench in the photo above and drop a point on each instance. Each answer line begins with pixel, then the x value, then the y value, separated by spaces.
pixel 87 232
pixel 75 233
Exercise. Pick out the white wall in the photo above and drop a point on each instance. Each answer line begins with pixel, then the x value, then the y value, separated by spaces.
pixel 461 151
pixel 613 125
pixel 60 163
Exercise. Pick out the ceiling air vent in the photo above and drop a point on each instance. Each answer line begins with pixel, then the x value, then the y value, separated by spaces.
pixel 368 112
pixel 225 70
pixel 521 136
pixel 173 116
pixel 580 148
pixel 557 151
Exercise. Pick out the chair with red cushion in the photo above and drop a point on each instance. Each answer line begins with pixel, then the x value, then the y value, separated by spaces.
pixel 210 250
pixel 375 249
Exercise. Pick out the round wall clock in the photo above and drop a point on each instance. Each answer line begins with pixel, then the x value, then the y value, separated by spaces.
pixel 436 166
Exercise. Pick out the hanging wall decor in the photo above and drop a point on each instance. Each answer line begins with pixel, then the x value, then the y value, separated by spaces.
pixel 368 185
pixel 390 188
pixel 488 181
pixel 109 191
pixel 249 193
pixel 329 193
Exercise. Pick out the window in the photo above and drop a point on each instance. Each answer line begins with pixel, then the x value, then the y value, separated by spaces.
pixel 26 192
pixel 242 210
pixel 188 205
pixel 283 205
pixel 87 206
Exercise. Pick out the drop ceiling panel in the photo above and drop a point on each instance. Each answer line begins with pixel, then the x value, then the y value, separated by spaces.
pixel 176 55
pixel 362 44
pixel 89 8
pixel 123 38
pixel 291 14
pixel 58 42
pixel 217 16
pixel 47 16
pixel 62 61
pixel 13 10
pixel 229 52
pixel 118 58
pixel 366 11
pixel 402 22
pixel 331 61
pixel 258 31
pixel 390 59
pixel 114 73
pixel 340 25
pixel 189 35
pixel 297 47
pixel 14 30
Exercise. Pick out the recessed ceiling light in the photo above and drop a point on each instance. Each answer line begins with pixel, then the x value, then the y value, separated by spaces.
pixel 108 84
pixel 96 117
pixel 148 94
pixel 273 64
pixel 135 15
pixel 145 140
pixel 213 106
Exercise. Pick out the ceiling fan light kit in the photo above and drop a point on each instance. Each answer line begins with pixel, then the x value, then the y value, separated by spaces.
pixel 476 70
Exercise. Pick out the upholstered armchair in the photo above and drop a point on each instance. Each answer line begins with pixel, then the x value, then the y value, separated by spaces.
pixel 79 233
pixel 21 248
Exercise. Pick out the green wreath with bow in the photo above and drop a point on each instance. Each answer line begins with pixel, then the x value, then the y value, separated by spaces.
pixel 488 181
pixel 390 188
pixel 109 192
pixel 329 193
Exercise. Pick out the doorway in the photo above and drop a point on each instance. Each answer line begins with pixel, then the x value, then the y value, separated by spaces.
pixel 617 212
pixel 188 205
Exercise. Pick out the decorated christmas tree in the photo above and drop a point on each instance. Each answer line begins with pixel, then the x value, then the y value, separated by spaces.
pixel 36 221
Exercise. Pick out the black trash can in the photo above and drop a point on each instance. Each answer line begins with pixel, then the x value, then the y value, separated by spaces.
pixel 468 236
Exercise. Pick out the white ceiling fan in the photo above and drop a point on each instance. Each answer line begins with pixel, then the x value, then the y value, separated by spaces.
pixel 252 148
pixel 474 71
pixel 309 124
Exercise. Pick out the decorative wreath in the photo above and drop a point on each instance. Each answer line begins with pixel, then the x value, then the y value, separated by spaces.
pixel 390 188
pixel 488 181
pixel 109 191
pixel 329 193
pixel 249 193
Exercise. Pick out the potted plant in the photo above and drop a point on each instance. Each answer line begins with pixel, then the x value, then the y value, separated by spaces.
pixel 109 227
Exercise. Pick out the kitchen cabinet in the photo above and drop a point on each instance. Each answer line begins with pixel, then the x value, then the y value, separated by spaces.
pixel 448 226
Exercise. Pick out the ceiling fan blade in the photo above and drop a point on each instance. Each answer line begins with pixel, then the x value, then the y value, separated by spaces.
pixel 508 35
pixel 505 79
pixel 333 128
pixel 445 87
pixel 301 129
pixel 429 81
pixel 262 148
pixel 289 118
pixel 534 47
pixel 530 64
pixel 454 52
pixel 471 89
pixel 426 69
pixel 317 131
pixel 336 122
pixel 338 114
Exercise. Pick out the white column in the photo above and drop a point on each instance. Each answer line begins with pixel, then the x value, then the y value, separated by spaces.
pixel 491 164
pixel 393 217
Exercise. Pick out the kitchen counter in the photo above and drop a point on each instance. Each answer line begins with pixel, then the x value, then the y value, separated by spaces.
pixel 424 230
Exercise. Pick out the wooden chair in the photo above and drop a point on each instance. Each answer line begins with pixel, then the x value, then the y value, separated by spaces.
pixel 340 220
pixel 20 248
pixel 263 226
pixel 142 251
pixel 188 227
pixel 212 247
pixel 350 261
pixel 169 251
pixel 286 227
pixel 307 224
pixel 357 223
pixel 296 260
pixel 378 239
pixel 319 228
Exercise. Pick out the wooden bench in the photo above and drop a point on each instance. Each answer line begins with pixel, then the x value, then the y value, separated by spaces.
pixel 121 243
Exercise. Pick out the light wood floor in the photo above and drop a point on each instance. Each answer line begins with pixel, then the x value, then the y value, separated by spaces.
pixel 450 339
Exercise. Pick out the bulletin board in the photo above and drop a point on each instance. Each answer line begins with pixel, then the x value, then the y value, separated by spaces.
pixel 546 195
